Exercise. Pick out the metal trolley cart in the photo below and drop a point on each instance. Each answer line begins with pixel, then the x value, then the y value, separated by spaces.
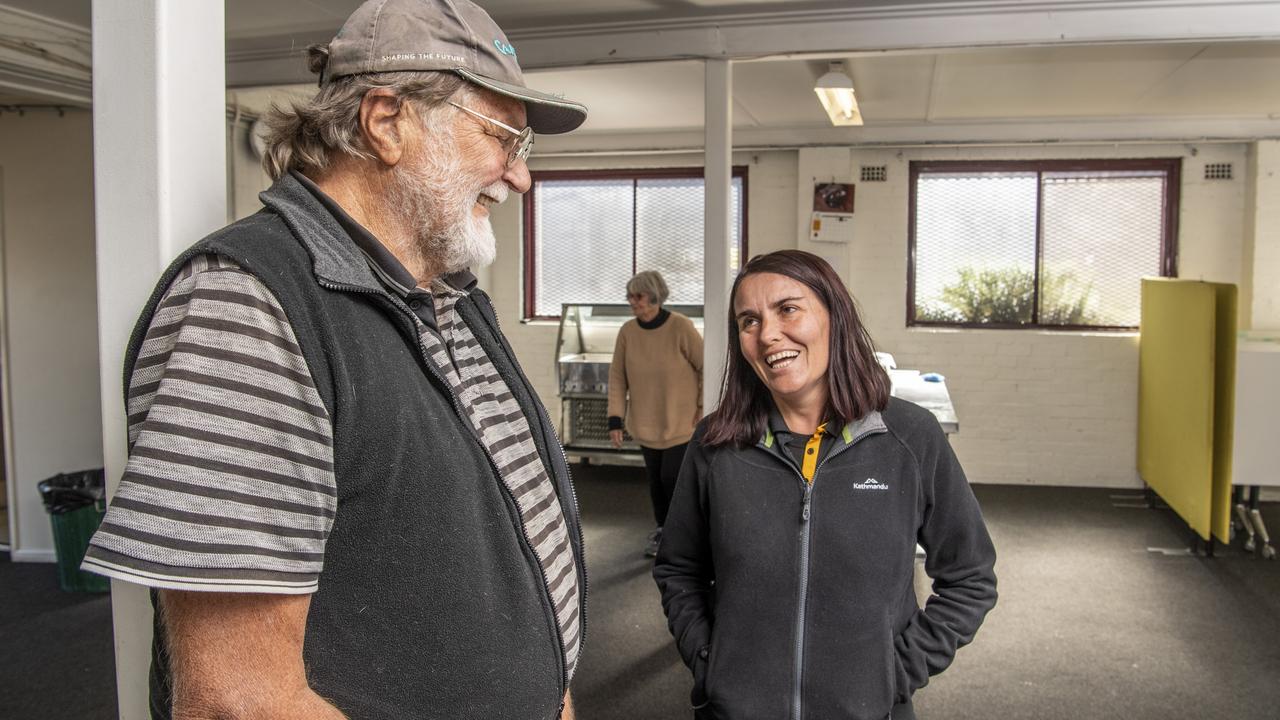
pixel 1254 451
pixel 584 349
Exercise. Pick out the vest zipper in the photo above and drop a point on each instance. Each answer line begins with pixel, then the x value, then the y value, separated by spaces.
pixel 573 493
pixel 524 535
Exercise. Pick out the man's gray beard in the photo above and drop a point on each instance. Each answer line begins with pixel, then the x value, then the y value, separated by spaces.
pixel 436 198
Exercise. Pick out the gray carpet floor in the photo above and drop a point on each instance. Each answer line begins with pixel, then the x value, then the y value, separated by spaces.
pixel 1090 623
pixel 56 655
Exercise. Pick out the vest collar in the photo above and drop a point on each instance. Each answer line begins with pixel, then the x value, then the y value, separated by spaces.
pixel 335 257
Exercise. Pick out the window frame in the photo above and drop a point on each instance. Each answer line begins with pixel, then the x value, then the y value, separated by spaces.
pixel 529 244
pixel 1172 167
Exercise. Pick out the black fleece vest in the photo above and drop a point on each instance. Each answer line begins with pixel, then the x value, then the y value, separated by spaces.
pixel 431 603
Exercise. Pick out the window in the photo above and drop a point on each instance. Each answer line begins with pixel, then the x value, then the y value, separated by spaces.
pixel 1057 244
pixel 588 232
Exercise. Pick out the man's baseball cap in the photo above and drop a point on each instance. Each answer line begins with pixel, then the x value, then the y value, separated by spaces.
pixel 446 35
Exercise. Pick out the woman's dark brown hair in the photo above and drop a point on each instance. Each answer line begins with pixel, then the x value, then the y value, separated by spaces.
pixel 857 383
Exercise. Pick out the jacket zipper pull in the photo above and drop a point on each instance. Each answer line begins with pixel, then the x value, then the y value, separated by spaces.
pixel 808 492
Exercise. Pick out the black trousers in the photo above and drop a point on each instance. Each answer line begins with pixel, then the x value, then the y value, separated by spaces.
pixel 663 467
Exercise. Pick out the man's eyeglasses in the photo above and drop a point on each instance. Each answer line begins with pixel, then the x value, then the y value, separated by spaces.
pixel 518 145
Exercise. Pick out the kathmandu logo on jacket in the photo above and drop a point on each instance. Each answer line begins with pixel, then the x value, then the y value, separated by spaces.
pixel 870 484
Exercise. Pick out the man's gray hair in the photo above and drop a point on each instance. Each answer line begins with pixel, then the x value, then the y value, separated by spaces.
pixel 307 135
pixel 649 282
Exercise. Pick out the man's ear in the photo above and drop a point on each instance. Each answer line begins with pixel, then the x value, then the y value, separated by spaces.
pixel 384 119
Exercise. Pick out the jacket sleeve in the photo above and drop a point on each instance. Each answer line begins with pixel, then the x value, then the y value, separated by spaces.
pixel 683 569
pixel 618 377
pixel 960 559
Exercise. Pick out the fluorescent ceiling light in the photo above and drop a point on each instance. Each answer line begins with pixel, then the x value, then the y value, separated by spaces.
pixel 835 91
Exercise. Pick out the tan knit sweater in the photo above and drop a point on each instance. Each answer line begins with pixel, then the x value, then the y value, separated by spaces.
pixel 655 381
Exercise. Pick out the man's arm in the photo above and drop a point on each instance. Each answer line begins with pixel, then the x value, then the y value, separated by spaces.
pixel 567 714
pixel 239 655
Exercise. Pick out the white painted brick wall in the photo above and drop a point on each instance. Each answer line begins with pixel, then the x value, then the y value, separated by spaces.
pixel 1036 407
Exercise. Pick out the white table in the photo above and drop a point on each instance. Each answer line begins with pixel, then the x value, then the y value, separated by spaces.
pixel 910 385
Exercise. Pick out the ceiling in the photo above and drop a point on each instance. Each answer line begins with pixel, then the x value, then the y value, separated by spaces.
pixel 1059 85
pixel 1197 84
pixel 266 18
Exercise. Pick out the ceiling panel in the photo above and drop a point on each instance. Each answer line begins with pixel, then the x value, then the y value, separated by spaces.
pixel 256 18
pixel 74 12
pixel 13 99
pixel 1052 82
pixel 1225 79
pixel 893 88
pixel 619 97
pixel 778 93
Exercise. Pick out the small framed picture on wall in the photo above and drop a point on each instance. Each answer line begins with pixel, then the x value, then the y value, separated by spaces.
pixel 833 198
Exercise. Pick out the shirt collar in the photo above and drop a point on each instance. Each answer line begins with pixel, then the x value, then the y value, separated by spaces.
pixel 872 422
pixel 778 425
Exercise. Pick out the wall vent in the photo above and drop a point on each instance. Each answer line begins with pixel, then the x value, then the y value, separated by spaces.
pixel 1217 171
pixel 875 173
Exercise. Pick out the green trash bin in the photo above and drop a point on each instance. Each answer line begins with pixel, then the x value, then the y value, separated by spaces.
pixel 76 503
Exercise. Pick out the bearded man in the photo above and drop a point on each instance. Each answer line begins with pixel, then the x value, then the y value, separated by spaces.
pixel 341 487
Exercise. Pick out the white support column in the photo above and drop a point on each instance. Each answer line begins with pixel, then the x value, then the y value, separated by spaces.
pixel 159 124
pixel 717 230
pixel 1264 308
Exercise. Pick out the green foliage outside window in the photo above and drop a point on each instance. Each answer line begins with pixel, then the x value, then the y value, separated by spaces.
pixel 1007 296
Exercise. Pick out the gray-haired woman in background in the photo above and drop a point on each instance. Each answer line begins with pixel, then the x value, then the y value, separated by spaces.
pixel 655 383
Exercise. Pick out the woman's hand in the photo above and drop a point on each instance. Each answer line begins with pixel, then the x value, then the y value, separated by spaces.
pixel 615 439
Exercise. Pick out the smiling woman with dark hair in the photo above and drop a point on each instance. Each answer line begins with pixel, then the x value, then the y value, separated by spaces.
pixel 786 566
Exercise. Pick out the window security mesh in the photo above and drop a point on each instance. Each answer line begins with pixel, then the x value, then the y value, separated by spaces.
pixel 1101 236
pixel 975 248
pixel 976 251
pixel 593 235
pixel 874 173
pixel 584 231
pixel 1217 171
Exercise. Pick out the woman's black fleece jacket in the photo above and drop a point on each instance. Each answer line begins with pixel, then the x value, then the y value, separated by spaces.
pixel 796 601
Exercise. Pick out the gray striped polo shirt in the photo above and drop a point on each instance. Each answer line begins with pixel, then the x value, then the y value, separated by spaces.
pixel 230 485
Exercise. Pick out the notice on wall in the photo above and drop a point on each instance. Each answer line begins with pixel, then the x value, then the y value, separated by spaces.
pixel 831 227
